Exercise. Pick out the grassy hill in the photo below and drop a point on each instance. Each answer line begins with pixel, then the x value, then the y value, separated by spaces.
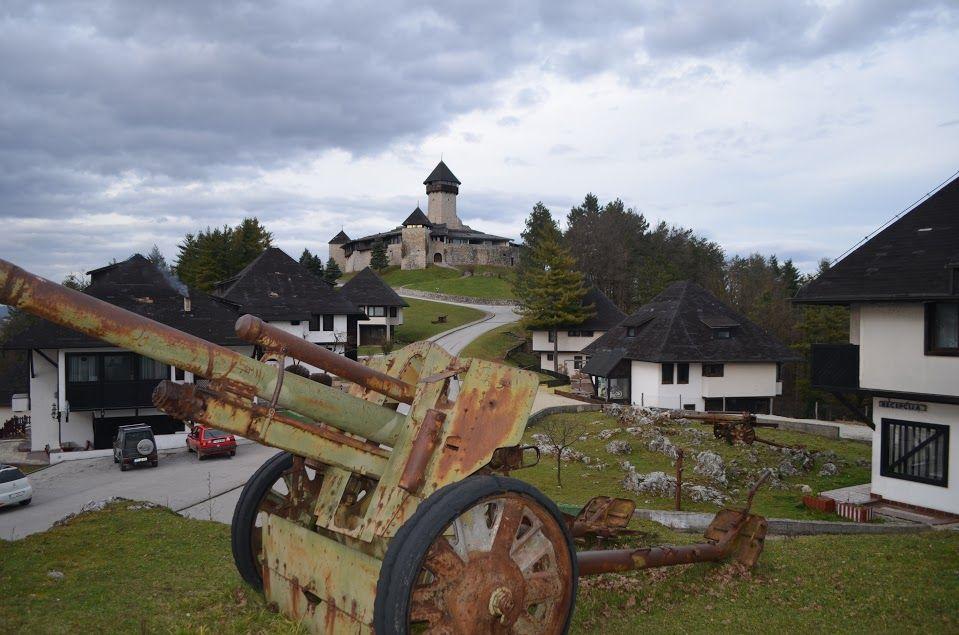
pixel 160 572
pixel 485 281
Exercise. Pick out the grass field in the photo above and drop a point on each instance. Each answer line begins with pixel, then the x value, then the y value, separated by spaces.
pixel 498 284
pixel 419 316
pixel 493 345
pixel 581 482
pixel 150 570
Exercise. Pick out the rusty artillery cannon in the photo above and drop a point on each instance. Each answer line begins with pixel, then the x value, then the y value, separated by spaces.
pixel 391 506
pixel 733 427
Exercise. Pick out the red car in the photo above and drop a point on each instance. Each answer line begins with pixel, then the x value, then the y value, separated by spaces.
pixel 207 441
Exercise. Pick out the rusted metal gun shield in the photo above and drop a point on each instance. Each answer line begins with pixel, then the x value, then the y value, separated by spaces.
pixel 748 545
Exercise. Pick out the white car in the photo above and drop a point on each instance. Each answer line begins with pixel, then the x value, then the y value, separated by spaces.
pixel 14 486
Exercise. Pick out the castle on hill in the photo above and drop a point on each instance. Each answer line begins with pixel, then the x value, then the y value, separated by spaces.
pixel 438 236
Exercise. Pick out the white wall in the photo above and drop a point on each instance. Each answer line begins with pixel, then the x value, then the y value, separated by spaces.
pixel 921 494
pixel 738 380
pixel 892 352
pixel 742 380
pixel 565 343
pixel 566 362
pixel 6 412
pixel 43 399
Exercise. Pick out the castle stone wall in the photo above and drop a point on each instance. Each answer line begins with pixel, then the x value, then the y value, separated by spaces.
pixel 501 255
pixel 441 208
pixel 414 247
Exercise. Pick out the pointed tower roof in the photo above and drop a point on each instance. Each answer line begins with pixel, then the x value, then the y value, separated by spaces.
pixel 441 173
pixel 366 288
pixel 417 218
pixel 340 238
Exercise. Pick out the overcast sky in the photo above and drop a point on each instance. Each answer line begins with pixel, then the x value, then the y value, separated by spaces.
pixel 791 128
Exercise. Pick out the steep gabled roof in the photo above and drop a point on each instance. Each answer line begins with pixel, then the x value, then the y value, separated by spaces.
pixel 366 289
pixel 277 287
pixel 417 218
pixel 913 259
pixel 606 316
pixel 139 286
pixel 441 173
pixel 340 238
pixel 673 327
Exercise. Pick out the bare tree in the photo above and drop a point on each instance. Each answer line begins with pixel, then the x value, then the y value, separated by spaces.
pixel 561 433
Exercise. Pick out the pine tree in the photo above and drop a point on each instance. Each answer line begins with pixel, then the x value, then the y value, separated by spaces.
pixel 554 290
pixel 313 263
pixel 333 272
pixel 378 258
pixel 540 226
pixel 157 258
pixel 217 254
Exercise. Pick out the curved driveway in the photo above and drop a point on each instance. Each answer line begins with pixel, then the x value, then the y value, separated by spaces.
pixel 455 340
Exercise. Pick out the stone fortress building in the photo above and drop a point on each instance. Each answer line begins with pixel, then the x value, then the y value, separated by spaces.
pixel 438 236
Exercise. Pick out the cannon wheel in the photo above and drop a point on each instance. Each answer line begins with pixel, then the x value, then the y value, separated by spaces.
pixel 269 490
pixel 487 554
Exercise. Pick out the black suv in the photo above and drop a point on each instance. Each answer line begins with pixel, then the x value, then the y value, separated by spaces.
pixel 135 445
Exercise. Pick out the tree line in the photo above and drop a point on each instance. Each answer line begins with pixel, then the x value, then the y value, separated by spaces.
pixel 614 248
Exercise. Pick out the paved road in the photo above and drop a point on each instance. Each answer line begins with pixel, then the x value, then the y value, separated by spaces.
pixel 179 482
pixel 456 339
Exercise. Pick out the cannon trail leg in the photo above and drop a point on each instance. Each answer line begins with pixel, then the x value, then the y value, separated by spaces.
pixel 488 555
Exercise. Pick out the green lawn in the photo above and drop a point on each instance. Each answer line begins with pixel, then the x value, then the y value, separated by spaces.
pixel 151 570
pixel 493 345
pixel 580 483
pixel 147 571
pixel 486 282
pixel 419 316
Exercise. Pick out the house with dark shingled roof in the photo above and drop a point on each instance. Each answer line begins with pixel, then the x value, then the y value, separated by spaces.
pixel 436 237
pixel 687 349
pixel 563 346
pixel 381 304
pixel 279 290
pixel 902 290
pixel 82 389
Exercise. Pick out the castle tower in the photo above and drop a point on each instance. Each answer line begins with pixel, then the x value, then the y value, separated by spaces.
pixel 442 186
pixel 336 250
pixel 416 240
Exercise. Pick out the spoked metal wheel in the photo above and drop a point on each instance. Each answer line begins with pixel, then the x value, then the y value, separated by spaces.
pixel 494 557
pixel 284 486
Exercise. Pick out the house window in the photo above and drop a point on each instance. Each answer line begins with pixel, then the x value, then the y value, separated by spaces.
pixel 179 374
pixel 152 369
pixel 585 333
pixel 315 322
pixel 682 373
pixel 118 367
pixel 613 388
pixel 573 333
pixel 327 322
pixel 915 451
pixel 577 362
pixel 722 334
pixel 82 369
pixel 392 311
pixel 549 357
pixel 779 371
pixel 942 328
pixel 630 331
pixel 713 370
pixel 551 336
pixel 667 372
pixel 295 322
pixel 376 311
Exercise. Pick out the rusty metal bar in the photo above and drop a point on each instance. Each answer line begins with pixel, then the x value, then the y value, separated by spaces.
pixel 619 560
pixel 679 478
pixel 252 329
pixel 163 343
pixel 424 447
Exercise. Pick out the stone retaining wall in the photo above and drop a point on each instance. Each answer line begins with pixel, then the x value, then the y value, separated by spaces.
pixel 456 299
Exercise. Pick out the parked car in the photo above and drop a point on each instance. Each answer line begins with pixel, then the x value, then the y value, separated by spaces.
pixel 15 488
pixel 207 441
pixel 135 445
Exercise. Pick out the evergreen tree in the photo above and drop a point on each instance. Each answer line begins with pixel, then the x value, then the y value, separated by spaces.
pixel 378 259
pixel 539 226
pixel 333 272
pixel 157 258
pixel 554 290
pixel 217 254
pixel 313 263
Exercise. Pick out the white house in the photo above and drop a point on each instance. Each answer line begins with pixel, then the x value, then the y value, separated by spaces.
pixel 279 290
pixel 686 349
pixel 81 389
pixel 381 304
pixel 902 288
pixel 562 348
pixel 14 386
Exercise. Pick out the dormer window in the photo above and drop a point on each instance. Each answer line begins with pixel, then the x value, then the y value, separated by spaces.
pixel 722 334
pixel 630 331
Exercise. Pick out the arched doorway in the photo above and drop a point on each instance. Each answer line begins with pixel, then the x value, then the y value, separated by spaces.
pixel 438 258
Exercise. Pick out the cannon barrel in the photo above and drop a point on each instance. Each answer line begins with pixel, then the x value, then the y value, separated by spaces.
pixel 122 328
pixel 252 329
